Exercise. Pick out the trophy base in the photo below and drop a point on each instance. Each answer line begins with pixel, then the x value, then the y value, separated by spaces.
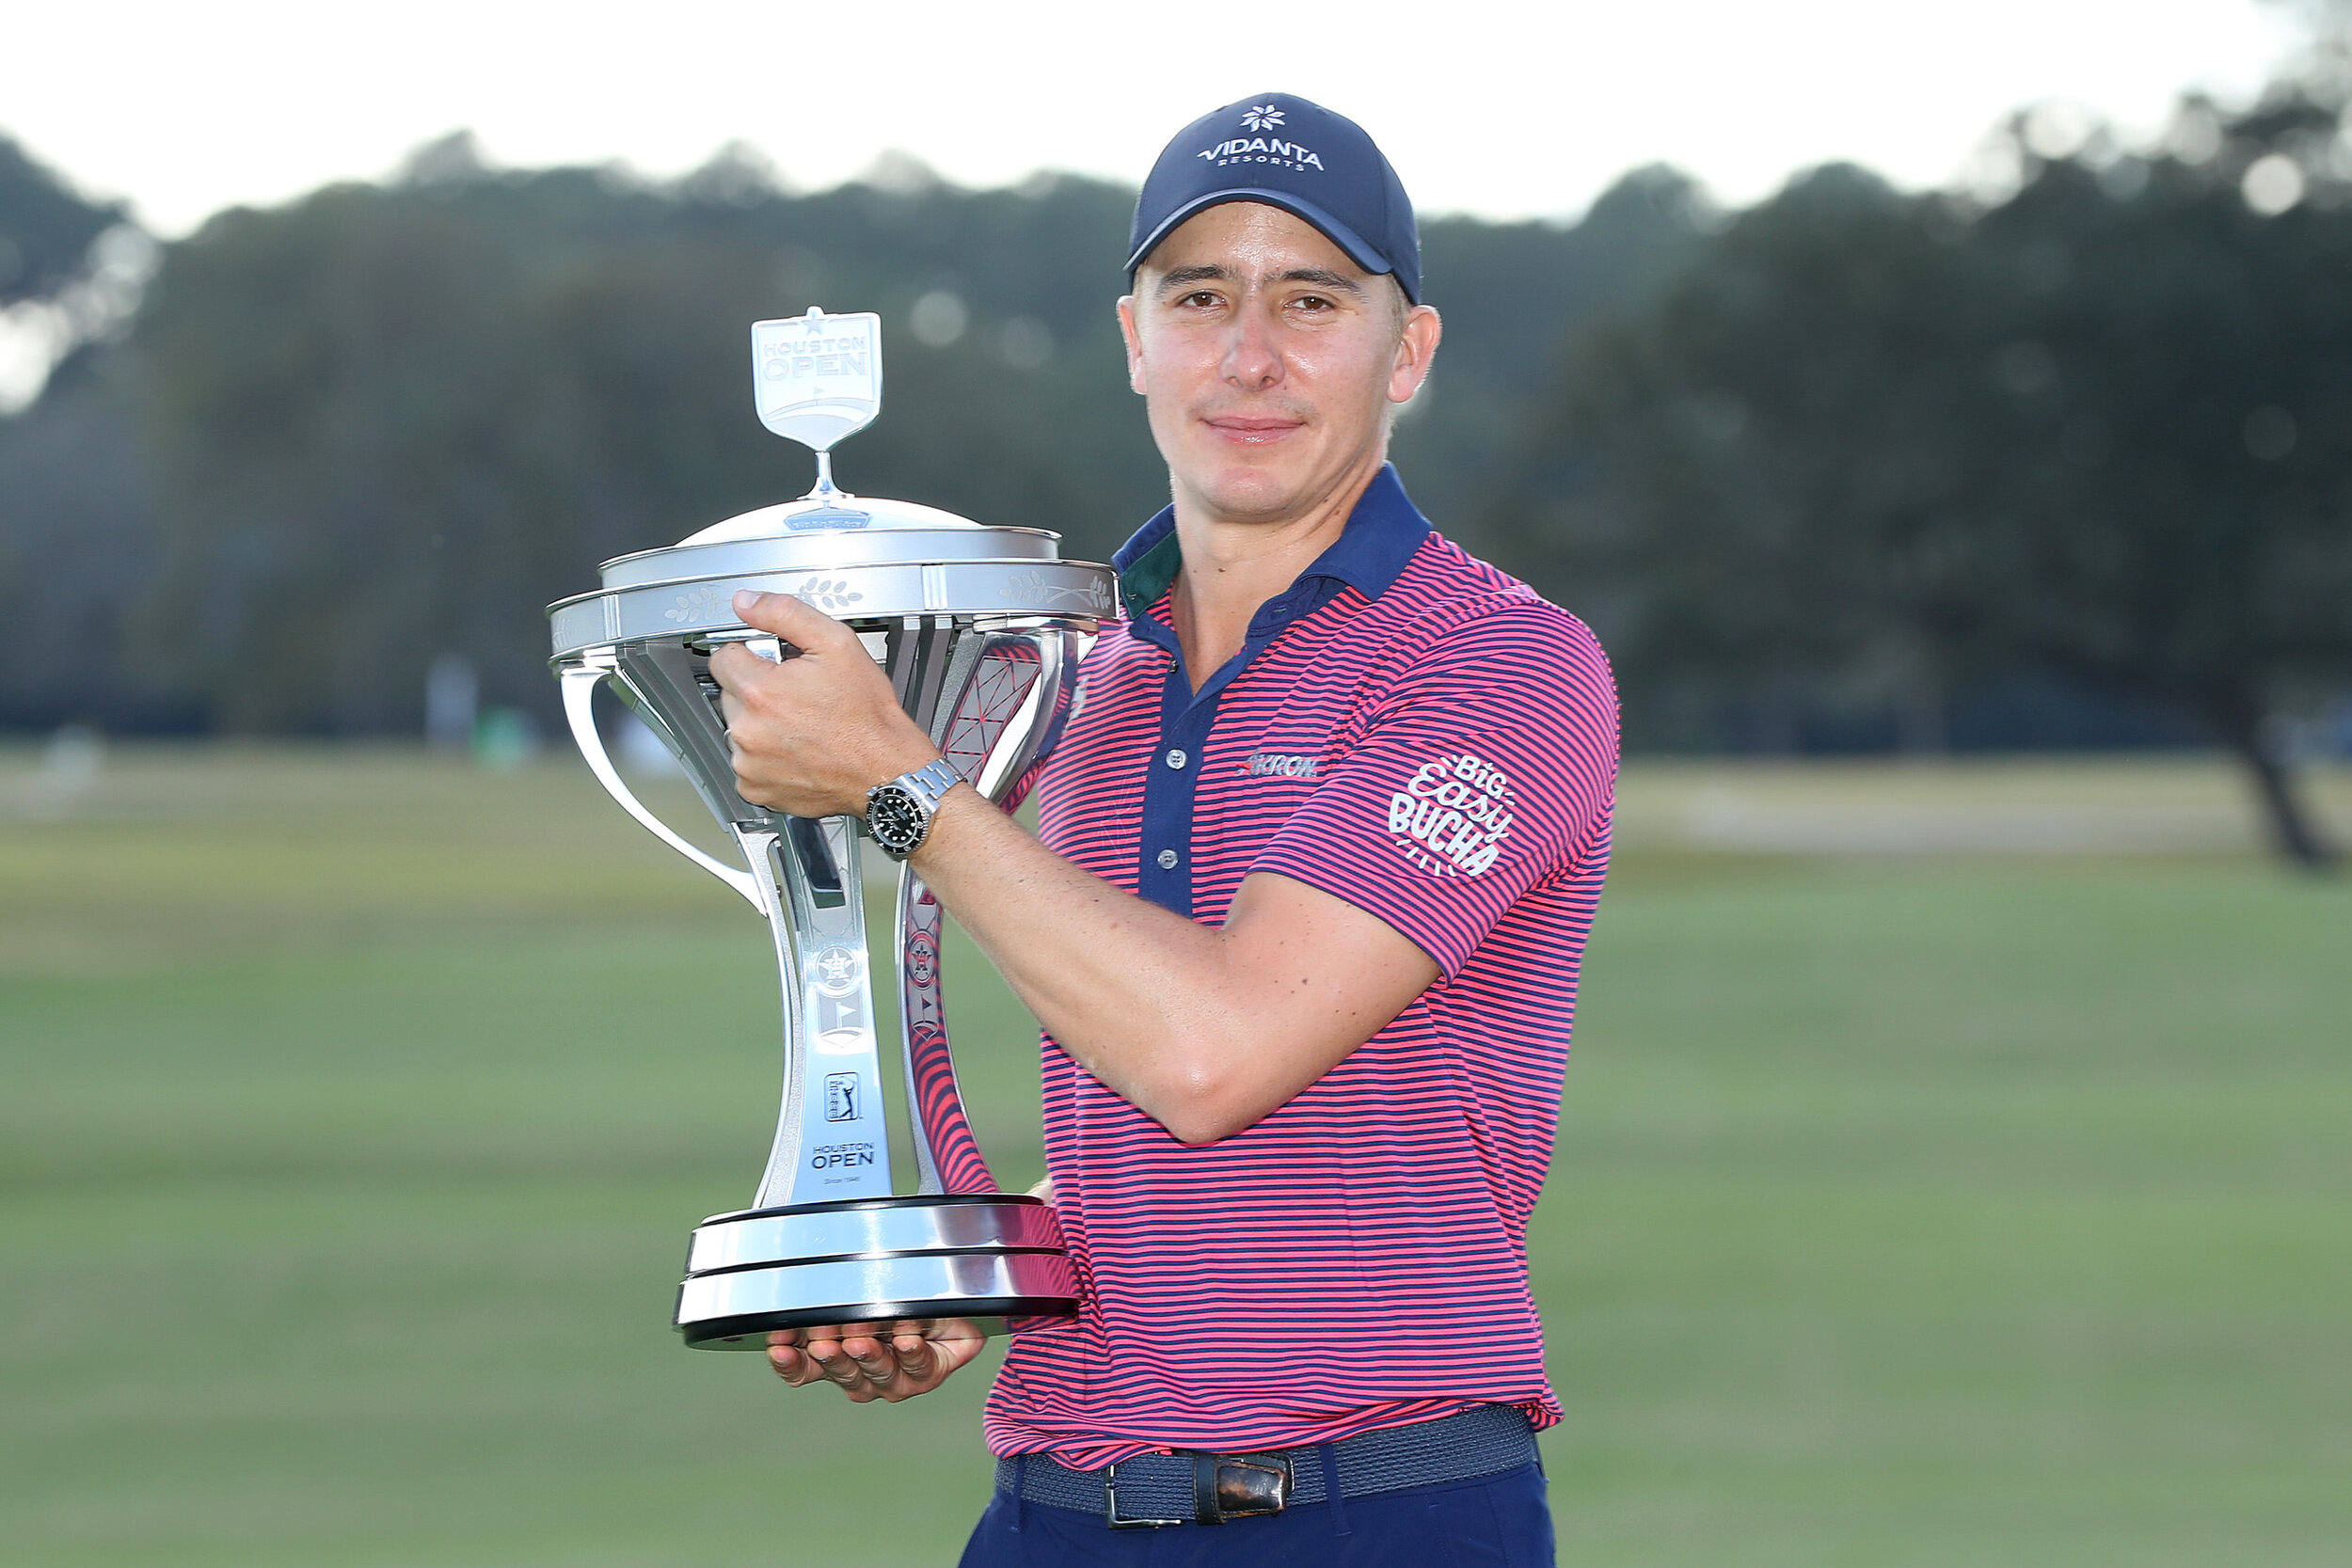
pixel 984 1256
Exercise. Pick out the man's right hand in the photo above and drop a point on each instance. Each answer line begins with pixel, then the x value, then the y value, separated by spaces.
pixel 876 1361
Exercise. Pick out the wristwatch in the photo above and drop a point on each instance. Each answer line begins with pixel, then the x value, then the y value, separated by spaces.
pixel 899 814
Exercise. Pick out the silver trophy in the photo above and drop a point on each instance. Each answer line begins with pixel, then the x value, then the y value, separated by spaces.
pixel 982 630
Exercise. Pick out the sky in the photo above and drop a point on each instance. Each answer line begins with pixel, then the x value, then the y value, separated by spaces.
pixel 1500 109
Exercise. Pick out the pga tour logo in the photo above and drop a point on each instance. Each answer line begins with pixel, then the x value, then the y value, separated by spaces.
pixel 1452 815
pixel 841 1097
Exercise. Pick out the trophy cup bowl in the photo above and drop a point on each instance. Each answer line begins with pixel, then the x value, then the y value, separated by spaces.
pixel 980 630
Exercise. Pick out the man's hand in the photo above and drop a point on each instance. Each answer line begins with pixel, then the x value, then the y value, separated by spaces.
pixel 811 736
pixel 876 1361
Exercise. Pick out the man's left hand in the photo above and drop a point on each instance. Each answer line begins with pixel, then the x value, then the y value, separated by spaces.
pixel 876 1361
pixel 811 735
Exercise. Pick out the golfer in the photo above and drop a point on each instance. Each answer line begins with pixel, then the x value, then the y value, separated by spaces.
pixel 1315 862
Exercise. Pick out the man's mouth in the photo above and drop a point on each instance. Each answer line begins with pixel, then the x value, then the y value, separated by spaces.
pixel 1253 430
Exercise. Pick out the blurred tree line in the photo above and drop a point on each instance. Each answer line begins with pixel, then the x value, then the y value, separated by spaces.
pixel 1854 467
pixel 1894 447
pixel 388 422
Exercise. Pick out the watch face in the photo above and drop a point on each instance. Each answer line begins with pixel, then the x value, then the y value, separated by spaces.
pixel 895 817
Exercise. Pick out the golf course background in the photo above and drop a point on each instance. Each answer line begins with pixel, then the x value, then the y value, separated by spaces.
pixel 1986 1205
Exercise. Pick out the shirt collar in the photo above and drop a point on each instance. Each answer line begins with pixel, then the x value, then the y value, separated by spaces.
pixel 1381 534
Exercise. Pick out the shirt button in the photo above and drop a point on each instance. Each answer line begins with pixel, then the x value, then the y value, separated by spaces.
pixel 1176 757
pixel 1168 860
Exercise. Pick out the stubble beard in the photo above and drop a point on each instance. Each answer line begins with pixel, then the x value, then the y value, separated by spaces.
pixel 1245 493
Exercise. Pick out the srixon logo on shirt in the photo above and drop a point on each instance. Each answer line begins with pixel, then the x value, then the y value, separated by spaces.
pixel 1452 815
pixel 1282 764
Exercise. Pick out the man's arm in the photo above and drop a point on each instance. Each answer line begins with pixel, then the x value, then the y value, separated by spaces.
pixel 1206 1030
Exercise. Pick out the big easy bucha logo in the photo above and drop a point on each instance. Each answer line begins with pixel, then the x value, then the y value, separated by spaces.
pixel 1452 815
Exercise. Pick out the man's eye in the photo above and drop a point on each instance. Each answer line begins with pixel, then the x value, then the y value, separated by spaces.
pixel 1312 302
pixel 1200 299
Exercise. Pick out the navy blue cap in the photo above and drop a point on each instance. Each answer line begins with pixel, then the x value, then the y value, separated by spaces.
pixel 1289 153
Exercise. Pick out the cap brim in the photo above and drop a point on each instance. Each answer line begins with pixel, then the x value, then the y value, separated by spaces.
pixel 1332 228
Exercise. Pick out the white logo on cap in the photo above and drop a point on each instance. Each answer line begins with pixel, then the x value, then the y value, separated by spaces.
pixel 1260 149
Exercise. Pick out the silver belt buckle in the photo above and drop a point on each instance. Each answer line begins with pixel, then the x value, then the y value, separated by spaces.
pixel 1118 1521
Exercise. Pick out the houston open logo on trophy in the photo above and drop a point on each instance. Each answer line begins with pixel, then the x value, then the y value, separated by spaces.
pixel 982 630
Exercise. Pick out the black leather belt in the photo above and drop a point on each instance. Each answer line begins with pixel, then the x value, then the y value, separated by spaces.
pixel 1196 1486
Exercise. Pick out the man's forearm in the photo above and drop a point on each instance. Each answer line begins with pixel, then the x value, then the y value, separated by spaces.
pixel 1130 989
pixel 1206 1030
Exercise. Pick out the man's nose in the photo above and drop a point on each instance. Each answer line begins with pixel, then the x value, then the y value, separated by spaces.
pixel 1253 361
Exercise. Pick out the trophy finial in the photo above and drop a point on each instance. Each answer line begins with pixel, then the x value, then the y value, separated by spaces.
pixel 815 379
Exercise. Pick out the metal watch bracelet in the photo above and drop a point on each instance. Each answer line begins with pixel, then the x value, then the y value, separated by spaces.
pixel 924 789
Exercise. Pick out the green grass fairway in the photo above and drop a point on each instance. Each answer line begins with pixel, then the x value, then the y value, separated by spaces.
pixel 1909 1210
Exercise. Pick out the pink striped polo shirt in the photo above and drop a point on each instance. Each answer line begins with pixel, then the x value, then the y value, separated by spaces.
pixel 1420 735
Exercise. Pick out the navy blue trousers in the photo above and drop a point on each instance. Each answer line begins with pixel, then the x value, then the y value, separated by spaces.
pixel 1500 1522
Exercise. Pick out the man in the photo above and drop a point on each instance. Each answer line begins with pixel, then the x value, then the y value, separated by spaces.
pixel 1316 860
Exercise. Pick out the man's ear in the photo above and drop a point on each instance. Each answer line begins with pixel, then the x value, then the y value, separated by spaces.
pixel 1135 343
pixel 1416 346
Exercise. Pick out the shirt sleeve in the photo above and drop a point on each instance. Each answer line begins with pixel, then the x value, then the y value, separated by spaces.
pixel 1486 767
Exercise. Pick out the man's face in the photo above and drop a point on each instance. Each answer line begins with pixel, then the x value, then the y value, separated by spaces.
pixel 1268 360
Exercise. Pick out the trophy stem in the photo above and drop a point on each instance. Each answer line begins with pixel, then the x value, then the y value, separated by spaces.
pixel 831 1141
